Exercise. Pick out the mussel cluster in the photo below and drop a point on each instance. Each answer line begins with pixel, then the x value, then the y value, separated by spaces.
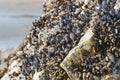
pixel 60 29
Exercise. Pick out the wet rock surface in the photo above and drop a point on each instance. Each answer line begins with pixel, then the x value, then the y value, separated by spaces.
pixel 49 50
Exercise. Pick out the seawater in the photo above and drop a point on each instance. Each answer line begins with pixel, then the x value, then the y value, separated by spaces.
pixel 14 26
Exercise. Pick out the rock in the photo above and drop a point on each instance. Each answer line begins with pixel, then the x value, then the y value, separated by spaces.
pixel 76 54
pixel 70 41
pixel 12 70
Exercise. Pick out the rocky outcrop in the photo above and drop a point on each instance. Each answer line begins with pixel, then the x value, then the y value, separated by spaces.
pixel 74 39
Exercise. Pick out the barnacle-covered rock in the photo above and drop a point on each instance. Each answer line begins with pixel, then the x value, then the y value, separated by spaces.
pixel 13 70
pixel 80 52
pixel 74 39
pixel 42 75
pixel 116 73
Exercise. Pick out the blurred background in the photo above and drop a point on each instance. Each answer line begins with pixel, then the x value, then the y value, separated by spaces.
pixel 16 17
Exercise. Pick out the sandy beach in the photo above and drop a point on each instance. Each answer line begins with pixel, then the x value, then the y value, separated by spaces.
pixel 16 18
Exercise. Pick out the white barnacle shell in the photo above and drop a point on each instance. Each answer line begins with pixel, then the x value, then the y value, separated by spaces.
pixel 77 11
pixel 13 68
pixel 117 5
